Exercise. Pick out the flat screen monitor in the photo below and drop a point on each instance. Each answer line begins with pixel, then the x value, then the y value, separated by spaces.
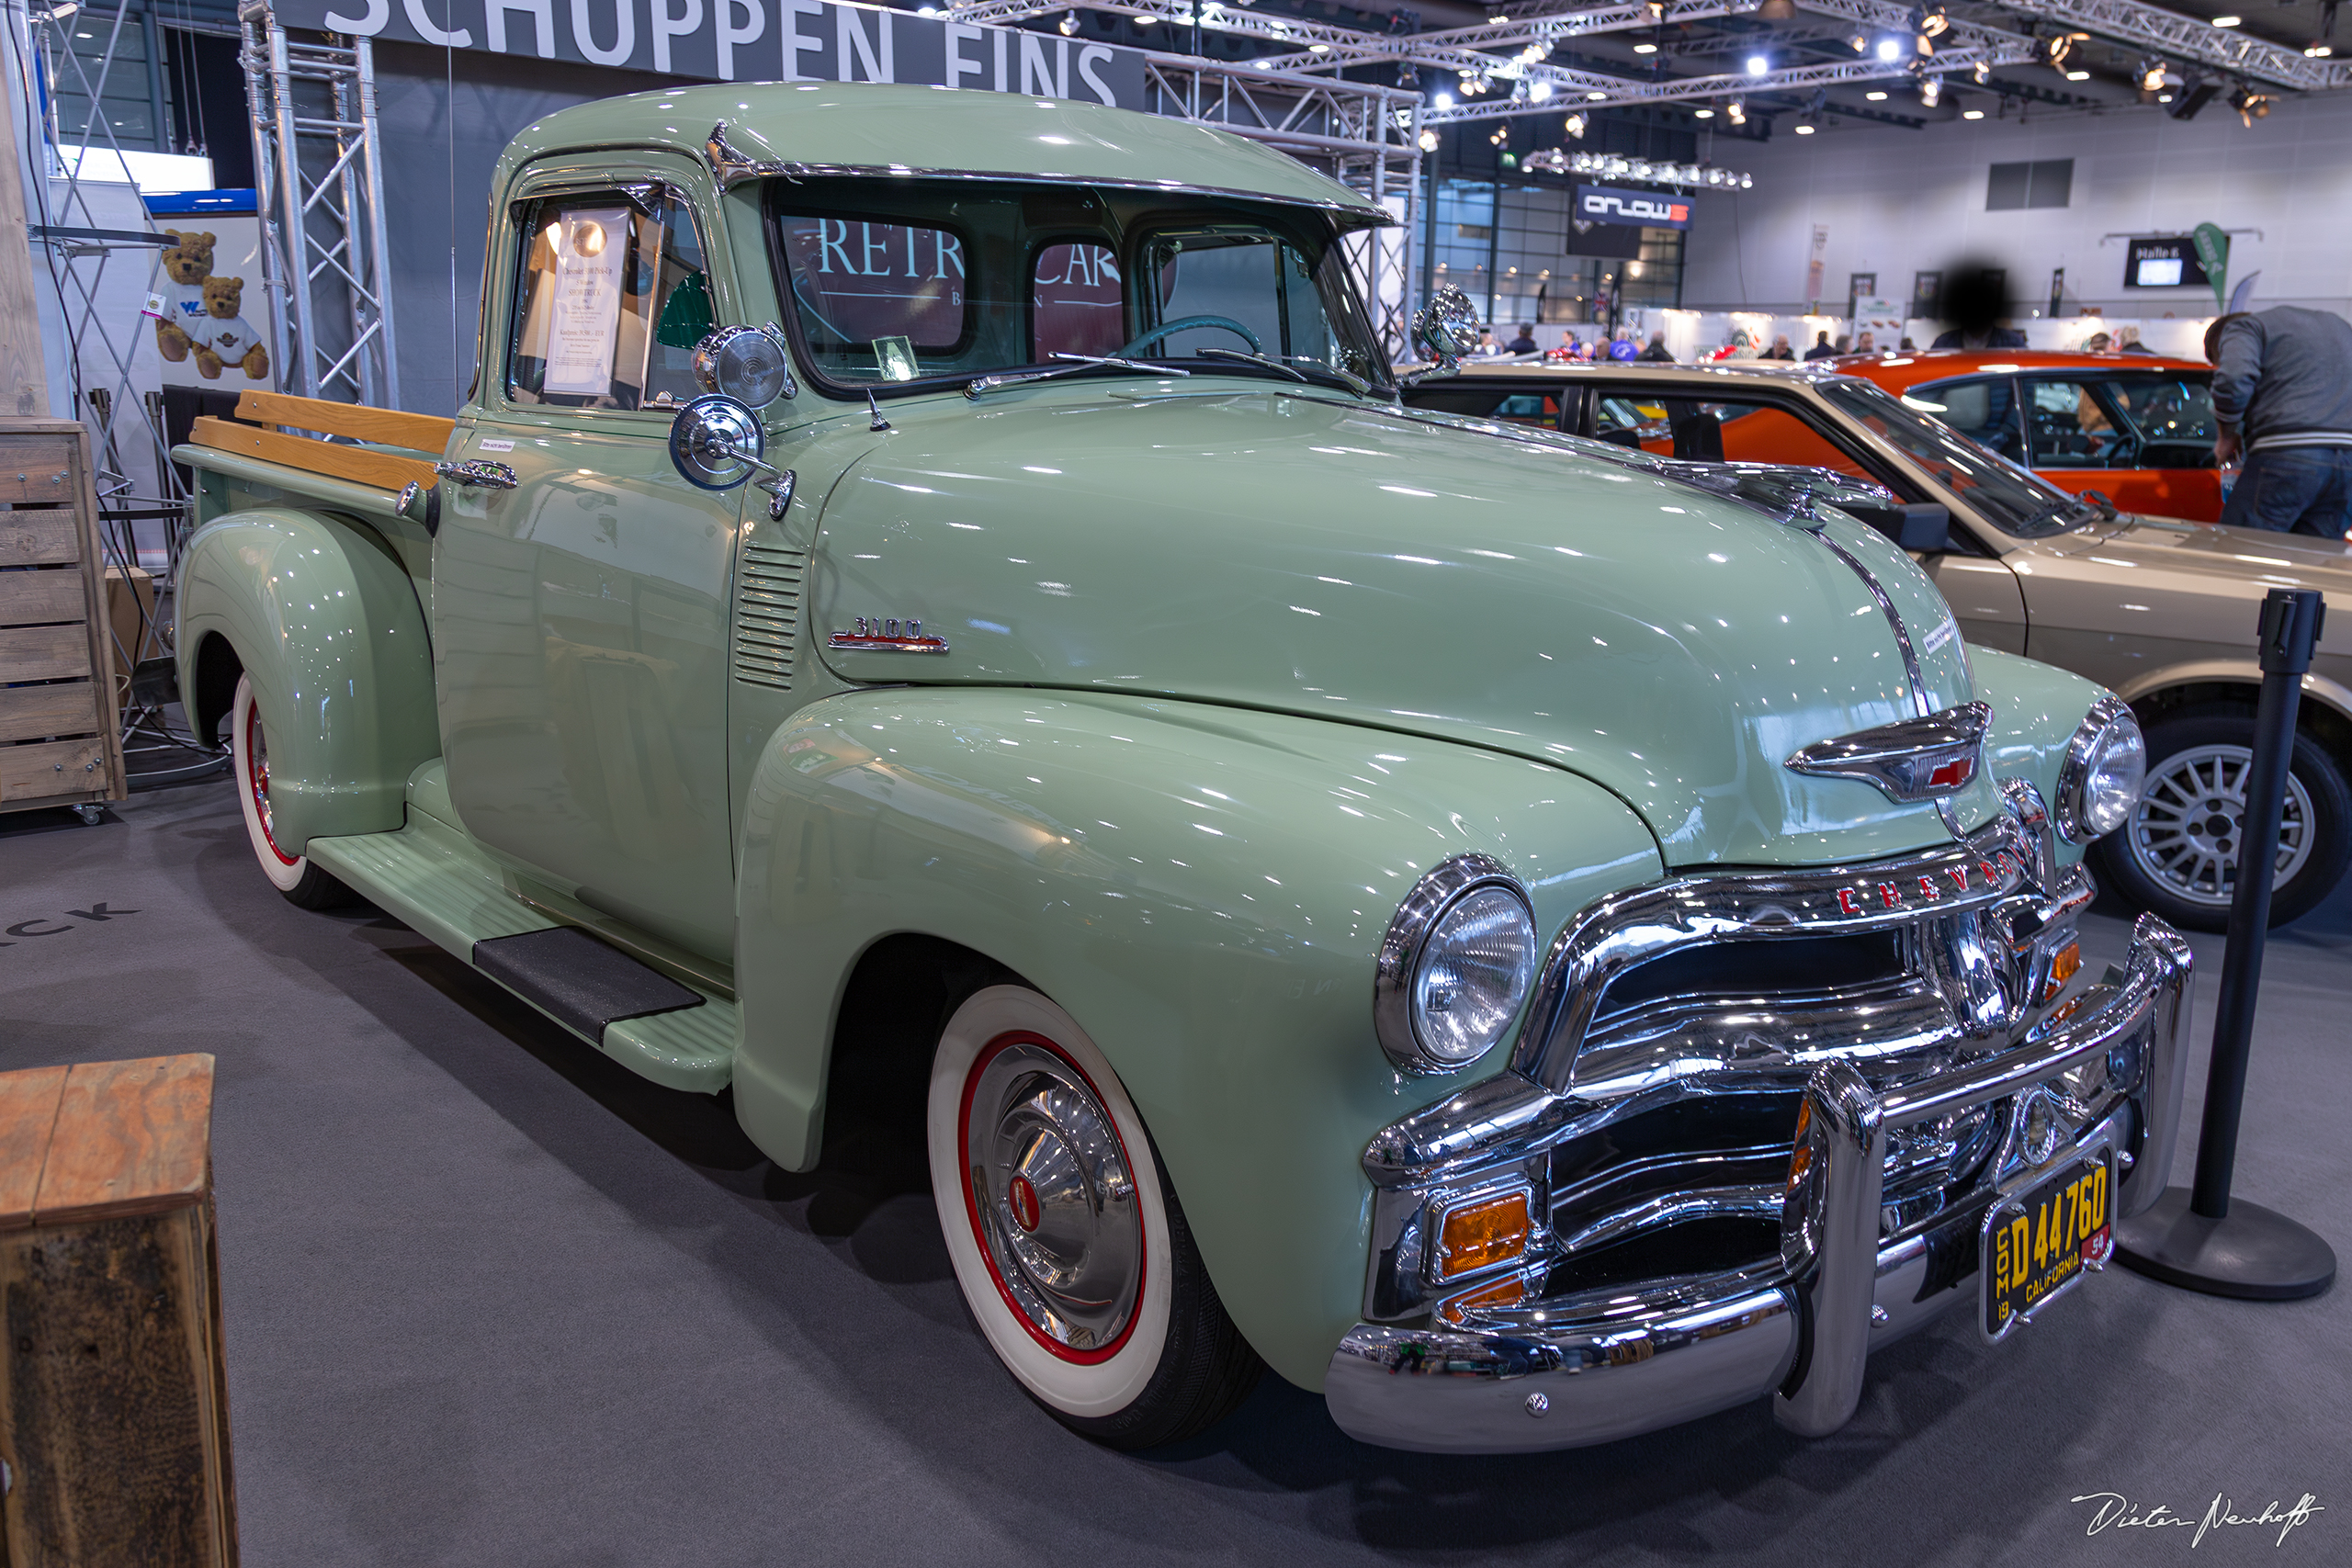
pixel 2159 272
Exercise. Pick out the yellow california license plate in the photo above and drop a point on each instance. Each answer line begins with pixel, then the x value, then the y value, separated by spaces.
pixel 2040 1241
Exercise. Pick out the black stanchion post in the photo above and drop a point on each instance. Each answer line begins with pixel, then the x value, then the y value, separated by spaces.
pixel 2196 1236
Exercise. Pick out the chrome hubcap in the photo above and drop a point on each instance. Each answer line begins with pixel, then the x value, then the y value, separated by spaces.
pixel 1052 1197
pixel 2185 834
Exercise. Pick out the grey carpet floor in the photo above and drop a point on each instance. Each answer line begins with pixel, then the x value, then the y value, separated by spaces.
pixel 490 1299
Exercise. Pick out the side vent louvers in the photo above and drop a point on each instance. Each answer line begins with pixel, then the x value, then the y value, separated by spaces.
pixel 767 615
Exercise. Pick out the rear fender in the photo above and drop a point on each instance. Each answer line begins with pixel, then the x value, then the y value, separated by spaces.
pixel 1203 888
pixel 324 620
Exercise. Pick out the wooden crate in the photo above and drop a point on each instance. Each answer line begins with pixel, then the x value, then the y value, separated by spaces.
pixel 114 1415
pixel 58 740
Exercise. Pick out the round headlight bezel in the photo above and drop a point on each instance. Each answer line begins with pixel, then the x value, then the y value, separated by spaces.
pixel 1406 947
pixel 2110 726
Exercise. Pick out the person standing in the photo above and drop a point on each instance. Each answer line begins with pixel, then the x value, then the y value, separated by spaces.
pixel 1780 349
pixel 1865 344
pixel 1658 353
pixel 2282 394
pixel 1525 341
pixel 1821 349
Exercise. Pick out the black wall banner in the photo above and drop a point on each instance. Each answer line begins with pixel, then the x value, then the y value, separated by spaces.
pixel 748 40
pixel 1643 208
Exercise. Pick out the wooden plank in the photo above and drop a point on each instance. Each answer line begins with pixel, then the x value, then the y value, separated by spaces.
pixel 27 1111
pixel 377 469
pixel 417 432
pixel 40 538
pixel 23 380
pixel 37 713
pixel 75 768
pixel 44 653
pixel 29 598
pixel 37 470
pixel 131 1138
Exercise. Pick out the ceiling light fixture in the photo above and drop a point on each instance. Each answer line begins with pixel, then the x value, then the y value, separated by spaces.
pixel 1972 114
pixel 1757 65
pixel 1931 92
pixel 1876 96
pixel 1428 140
pixel 1070 24
pixel 1645 48
pixel 1702 114
pixel 1574 126
pixel 2227 21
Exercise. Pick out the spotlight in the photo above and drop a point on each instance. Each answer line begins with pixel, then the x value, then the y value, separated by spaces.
pixel 1408 75
pixel 2057 49
pixel 1805 127
pixel 2318 51
pixel 1984 71
pixel 1428 140
pixel 1972 114
pixel 1070 24
pixel 1747 181
pixel 1442 101
pixel 2227 21
pixel 1890 50
pixel 1656 9
pixel 1737 112
pixel 1757 65
pixel 1646 48
pixel 1930 92
pixel 1501 137
pixel 1861 43
pixel 2152 75
pixel 1702 114
pixel 1573 125
pixel 2251 106
pixel 1932 22
pixel 1539 91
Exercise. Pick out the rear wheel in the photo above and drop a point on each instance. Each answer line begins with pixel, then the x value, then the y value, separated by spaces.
pixel 2179 855
pixel 302 883
pixel 1067 1241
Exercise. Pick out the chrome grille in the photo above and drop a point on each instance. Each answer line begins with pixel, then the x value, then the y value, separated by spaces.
pixel 767 614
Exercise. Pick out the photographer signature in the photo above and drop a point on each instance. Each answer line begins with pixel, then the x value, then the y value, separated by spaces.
pixel 2114 1509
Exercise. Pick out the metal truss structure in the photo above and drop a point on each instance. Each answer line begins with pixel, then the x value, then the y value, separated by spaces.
pixel 2186 40
pixel 318 167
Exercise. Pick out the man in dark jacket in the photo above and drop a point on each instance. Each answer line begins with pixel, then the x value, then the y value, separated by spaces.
pixel 1821 349
pixel 1658 353
pixel 1525 341
pixel 2282 394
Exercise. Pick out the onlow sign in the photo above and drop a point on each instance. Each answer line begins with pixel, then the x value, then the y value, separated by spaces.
pixel 1643 208
pixel 748 40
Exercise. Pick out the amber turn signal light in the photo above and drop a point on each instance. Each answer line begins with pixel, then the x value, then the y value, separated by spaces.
pixel 1502 1293
pixel 2063 965
pixel 1491 1230
pixel 1800 1157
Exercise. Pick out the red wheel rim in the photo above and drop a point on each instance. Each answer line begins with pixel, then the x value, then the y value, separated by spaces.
pixel 979 1233
pixel 257 781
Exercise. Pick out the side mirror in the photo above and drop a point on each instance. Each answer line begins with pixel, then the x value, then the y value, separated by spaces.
pixel 747 363
pixel 1925 526
pixel 716 443
pixel 1447 326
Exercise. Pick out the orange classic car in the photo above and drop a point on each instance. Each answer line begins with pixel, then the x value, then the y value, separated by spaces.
pixel 2136 427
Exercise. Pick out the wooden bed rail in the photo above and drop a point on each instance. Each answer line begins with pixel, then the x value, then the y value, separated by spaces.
pixel 421 432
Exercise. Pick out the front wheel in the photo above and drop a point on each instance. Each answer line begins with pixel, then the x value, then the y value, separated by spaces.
pixel 302 883
pixel 1067 1241
pixel 2179 855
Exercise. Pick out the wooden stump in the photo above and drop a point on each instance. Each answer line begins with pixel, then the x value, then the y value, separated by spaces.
pixel 114 1416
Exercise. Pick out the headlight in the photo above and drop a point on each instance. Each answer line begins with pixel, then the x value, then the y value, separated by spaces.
pixel 2099 781
pixel 1455 966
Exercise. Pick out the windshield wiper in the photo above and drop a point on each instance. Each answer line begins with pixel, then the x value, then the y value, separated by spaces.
pixel 1283 363
pixel 1078 362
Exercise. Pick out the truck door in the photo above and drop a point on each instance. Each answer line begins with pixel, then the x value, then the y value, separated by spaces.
pixel 581 617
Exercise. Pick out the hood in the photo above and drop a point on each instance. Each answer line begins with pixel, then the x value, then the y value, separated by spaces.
pixel 1233 544
pixel 2249 555
pixel 2191 584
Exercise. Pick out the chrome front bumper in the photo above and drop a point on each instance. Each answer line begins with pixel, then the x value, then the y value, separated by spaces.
pixel 1611 1364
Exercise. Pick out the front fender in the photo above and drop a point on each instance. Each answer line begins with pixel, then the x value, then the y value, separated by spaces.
pixel 2037 707
pixel 1204 888
pixel 326 621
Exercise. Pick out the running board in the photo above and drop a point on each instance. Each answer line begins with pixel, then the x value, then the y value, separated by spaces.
pixel 431 878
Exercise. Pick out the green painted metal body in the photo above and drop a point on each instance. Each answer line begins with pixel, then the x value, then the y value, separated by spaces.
pixel 1229 665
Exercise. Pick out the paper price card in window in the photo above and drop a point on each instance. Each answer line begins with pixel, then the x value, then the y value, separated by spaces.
pixel 591 255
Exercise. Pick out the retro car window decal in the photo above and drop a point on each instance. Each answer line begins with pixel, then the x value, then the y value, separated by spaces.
pixel 1078 301
pixel 612 298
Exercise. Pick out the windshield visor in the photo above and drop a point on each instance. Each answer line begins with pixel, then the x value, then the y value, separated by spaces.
pixel 916 282
pixel 2009 497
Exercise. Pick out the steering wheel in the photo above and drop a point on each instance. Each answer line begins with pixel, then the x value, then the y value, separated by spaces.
pixel 1184 323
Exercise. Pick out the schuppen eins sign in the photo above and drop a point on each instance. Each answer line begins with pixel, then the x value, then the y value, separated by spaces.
pixel 1640 209
pixel 748 40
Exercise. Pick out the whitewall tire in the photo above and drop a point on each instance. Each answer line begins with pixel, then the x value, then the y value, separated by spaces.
pixel 293 876
pixel 1066 1237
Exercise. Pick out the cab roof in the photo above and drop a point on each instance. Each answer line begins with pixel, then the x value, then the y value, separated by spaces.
pixel 824 128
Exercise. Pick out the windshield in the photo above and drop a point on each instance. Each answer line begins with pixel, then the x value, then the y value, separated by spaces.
pixel 2004 494
pixel 922 281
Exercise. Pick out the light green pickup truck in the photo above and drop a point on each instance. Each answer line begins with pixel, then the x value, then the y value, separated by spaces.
pixel 934 597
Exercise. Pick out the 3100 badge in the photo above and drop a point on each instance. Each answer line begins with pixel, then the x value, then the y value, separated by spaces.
pixel 2040 1242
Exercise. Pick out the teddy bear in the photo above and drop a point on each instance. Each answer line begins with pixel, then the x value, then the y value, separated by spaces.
pixel 227 338
pixel 188 262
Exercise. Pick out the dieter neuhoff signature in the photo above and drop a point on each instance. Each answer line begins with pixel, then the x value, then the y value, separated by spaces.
pixel 2113 1511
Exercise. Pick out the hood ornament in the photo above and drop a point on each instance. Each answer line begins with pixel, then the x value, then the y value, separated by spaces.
pixel 1913 760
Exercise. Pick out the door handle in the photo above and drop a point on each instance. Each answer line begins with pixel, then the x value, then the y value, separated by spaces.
pixel 479 471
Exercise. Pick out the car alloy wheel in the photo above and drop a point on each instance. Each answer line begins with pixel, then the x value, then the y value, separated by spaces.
pixel 2184 835
pixel 1067 1243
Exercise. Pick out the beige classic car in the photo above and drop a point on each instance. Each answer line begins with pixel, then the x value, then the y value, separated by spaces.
pixel 2162 612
